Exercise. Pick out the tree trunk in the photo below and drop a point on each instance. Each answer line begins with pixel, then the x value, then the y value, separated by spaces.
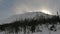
pixel 24 30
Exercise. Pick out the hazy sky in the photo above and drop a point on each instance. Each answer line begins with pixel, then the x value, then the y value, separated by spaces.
pixel 11 7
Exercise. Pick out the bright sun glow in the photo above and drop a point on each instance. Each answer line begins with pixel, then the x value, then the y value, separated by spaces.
pixel 46 11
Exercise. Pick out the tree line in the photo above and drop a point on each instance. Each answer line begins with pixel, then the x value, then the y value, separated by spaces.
pixel 29 24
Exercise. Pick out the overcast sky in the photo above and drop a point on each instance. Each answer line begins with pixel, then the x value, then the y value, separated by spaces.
pixel 11 7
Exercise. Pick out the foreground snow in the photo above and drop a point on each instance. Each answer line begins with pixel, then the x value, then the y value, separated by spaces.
pixel 44 31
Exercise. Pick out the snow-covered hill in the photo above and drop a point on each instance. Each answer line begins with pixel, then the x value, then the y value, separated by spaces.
pixel 31 15
pixel 25 15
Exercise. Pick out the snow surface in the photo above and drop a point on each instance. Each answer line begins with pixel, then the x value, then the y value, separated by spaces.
pixel 30 15
pixel 23 16
pixel 44 31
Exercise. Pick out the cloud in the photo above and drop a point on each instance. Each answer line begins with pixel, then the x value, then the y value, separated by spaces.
pixel 0 0
pixel 6 8
pixel 30 5
pixel 10 7
pixel 22 6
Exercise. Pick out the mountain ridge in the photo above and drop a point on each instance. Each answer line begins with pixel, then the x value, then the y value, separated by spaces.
pixel 25 15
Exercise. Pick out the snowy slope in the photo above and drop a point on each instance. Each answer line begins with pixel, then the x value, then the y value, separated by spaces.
pixel 31 15
pixel 23 16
